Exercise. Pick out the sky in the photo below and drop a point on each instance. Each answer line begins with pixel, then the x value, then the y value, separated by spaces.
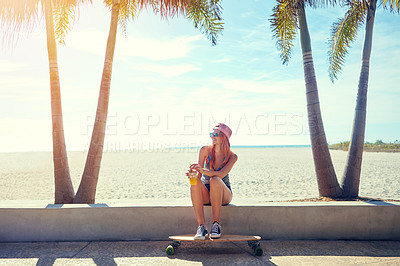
pixel 170 86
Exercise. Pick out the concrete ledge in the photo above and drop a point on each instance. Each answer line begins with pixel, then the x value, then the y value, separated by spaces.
pixel 275 220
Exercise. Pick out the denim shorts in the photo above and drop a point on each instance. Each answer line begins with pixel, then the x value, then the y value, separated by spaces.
pixel 206 181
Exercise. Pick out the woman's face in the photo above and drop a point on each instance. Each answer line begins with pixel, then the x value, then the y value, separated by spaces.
pixel 217 140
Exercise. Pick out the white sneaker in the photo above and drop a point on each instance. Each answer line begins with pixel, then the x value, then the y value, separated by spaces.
pixel 215 230
pixel 201 233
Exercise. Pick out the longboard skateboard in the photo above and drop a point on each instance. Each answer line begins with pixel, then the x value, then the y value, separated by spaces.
pixel 252 241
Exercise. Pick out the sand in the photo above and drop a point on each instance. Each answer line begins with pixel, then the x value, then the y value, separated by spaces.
pixel 261 174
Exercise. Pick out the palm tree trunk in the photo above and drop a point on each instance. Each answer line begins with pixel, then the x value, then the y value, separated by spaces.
pixel 64 191
pixel 352 172
pixel 328 185
pixel 87 188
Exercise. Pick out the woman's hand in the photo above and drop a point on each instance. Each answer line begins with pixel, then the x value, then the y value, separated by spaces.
pixel 192 170
pixel 197 167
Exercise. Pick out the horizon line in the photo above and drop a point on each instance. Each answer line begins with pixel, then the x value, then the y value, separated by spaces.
pixel 175 148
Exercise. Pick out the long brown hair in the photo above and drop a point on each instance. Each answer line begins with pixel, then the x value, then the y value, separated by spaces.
pixel 226 150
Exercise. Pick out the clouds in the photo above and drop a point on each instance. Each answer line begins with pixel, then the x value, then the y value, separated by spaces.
pixel 223 60
pixel 157 49
pixel 168 70
pixel 94 42
pixel 10 66
pixel 251 86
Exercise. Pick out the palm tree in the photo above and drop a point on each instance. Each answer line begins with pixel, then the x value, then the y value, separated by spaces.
pixel 17 14
pixel 344 32
pixel 203 13
pixel 64 191
pixel 288 15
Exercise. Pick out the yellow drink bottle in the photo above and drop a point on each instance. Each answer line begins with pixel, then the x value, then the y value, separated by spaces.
pixel 193 178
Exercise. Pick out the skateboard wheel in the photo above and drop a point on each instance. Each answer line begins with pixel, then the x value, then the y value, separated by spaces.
pixel 258 251
pixel 170 250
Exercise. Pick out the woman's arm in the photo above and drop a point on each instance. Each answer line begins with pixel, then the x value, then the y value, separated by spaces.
pixel 225 170
pixel 202 157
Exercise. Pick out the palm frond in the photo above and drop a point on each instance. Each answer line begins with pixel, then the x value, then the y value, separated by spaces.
pixel 323 3
pixel 284 27
pixel 128 10
pixel 166 8
pixel 394 5
pixel 206 15
pixel 17 16
pixel 343 33
pixel 64 15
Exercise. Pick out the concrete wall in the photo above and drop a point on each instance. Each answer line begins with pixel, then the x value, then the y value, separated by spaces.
pixel 320 220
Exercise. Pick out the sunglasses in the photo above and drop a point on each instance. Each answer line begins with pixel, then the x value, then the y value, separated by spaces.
pixel 214 134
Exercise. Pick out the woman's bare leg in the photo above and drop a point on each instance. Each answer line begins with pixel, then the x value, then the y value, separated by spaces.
pixel 200 196
pixel 219 195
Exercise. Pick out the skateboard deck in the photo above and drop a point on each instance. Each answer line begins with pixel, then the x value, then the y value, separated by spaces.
pixel 252 241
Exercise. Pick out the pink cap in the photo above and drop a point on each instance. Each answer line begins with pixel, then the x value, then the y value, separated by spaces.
pixel 224 129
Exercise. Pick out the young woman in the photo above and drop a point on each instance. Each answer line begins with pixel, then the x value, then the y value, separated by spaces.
pixel 215 163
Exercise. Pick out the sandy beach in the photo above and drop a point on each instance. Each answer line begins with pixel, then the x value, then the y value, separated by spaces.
pixel 261 174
